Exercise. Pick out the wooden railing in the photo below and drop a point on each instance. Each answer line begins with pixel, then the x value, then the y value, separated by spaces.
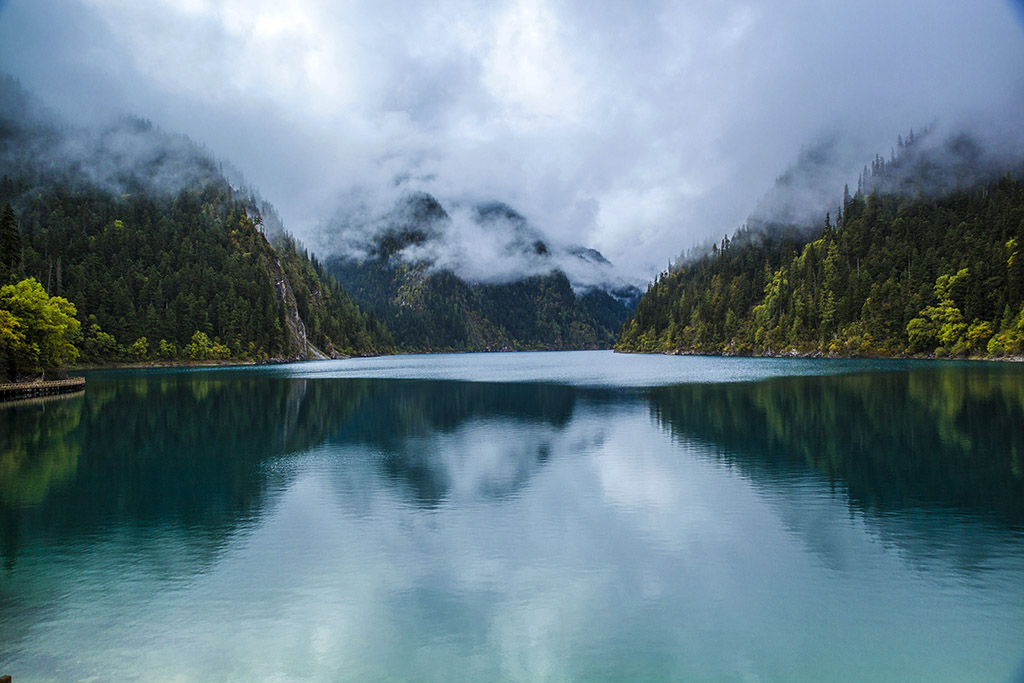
pixel 19 390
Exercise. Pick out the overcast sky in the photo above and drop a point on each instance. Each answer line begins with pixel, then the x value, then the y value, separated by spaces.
pixel 637 128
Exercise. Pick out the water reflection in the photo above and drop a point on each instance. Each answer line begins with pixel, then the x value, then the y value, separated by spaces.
pixel 187 448
pixel 38 448
pixel 418 431
pixel 949 437
pixel 241 524
pixel 156 450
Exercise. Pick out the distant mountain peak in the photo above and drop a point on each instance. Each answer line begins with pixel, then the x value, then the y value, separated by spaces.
pixel 418 208
pixel 486 242
pixel 589 255
pixel 495 210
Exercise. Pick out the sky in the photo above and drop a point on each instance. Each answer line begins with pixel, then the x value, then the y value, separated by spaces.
pixel 636 128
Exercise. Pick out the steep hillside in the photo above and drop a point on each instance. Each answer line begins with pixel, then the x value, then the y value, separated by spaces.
pixel 161 256
pixel 405 271
pixel 923 259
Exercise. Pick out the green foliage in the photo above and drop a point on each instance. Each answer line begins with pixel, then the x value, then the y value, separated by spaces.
pixel 139 350
pixel 36 330
pixel 10 246
pixel 430 310
pixel 12 339
pixel 943 324
pixel 96 344
pixel 1010 339
pixel 146 266
pixel 167 350
pixel 200 348
pixel 895 275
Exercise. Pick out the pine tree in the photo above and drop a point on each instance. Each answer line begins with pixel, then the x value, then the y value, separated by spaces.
pixel 10 246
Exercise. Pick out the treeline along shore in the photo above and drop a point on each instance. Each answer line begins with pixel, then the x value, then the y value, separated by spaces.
pixel 899 270
pixel 159 259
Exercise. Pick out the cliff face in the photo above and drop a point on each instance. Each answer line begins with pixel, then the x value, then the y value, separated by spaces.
pixel 299 345
pixel 163 258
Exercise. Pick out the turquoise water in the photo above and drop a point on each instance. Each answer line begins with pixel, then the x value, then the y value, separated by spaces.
pixel 534 516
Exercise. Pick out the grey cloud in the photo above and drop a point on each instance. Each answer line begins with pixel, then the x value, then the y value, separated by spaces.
pixel 634 128
pixel 122 155
pixel 482 242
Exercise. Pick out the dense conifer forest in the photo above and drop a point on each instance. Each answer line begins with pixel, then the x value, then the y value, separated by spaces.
pixel 160 256
pixel 925 258
pixel 439 311
pixel 191 276
pixel 139 237
pixel 434 309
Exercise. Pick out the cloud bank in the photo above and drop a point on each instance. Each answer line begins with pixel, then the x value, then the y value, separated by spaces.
pixel 634 128
pixel 486 242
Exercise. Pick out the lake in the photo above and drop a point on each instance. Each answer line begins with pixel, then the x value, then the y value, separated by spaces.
pixel 568 516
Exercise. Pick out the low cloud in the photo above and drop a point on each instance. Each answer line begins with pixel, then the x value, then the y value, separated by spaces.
pixel 635 129
pixel 485 242
pixel 122 155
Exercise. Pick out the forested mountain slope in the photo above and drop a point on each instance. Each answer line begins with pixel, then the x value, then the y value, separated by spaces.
pixel 162 257
pixel 427 306
pixel 924 259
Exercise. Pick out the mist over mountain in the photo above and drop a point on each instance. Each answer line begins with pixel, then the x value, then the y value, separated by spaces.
pixel 610 136
pixel 934 163
pixel 122 155
pixel 921 257
pixel 633 129
pixel 929 163
pixel 162 256
pixel 485 242
pixel 477 277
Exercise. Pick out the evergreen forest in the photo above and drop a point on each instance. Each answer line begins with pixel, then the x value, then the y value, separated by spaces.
pixel 431 308
pixel 160 257
pixel 439 311
pixel 909 266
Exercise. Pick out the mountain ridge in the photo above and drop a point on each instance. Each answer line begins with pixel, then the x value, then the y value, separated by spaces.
pixel 921 260
pixel 163 257
pixel 405 267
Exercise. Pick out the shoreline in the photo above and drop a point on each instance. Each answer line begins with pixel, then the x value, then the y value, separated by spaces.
pixel 792 353
pixel 147 364
pixel 818 355
pixel 226 363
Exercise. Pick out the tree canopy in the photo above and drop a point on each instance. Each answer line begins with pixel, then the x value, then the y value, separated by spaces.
pixel 10 245
pixel 148 272
pixel 894 275
pixel 36 330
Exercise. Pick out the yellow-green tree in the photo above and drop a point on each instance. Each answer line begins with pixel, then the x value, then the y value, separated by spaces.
pixel 36 330
pixel 943 324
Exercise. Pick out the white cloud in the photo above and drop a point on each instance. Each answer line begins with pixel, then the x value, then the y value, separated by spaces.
pixel 635 128
pixel 529 68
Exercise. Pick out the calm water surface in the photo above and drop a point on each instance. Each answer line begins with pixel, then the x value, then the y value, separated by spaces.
pixel 536 516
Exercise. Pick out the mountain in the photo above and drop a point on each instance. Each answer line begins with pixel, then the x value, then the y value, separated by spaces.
pixel 478 277
pixel 922 259
pixel 161 255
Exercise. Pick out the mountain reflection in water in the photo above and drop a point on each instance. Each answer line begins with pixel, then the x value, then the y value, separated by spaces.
pixel 692 530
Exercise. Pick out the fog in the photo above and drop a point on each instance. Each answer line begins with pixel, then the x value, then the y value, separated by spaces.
pixel 123 155
pixel 483 242
pixel 638 129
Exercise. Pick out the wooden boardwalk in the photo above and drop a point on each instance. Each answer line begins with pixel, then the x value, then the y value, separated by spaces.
pixel 20 390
